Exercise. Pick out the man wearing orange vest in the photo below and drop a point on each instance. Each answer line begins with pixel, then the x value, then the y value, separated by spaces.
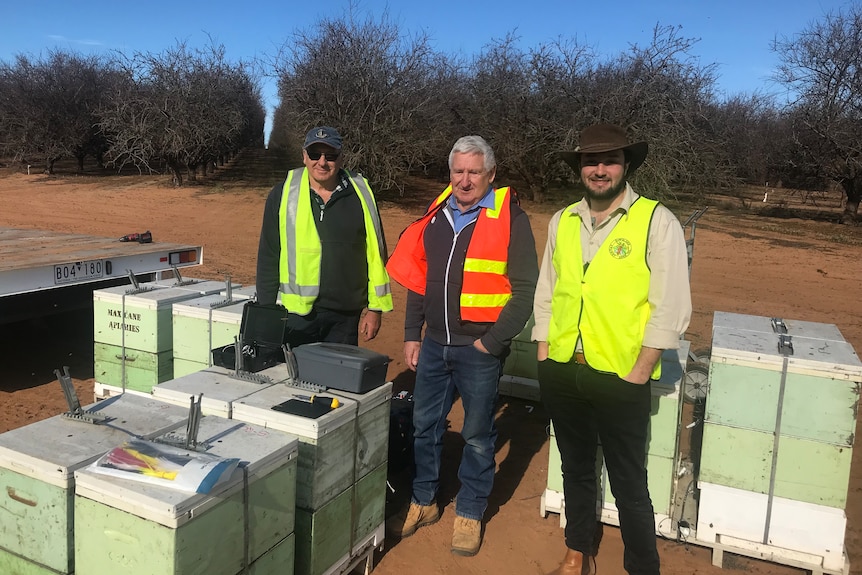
pixel 613 293
pixel 470 268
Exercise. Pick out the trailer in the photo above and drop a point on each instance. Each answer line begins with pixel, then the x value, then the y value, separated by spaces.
pixel 45 272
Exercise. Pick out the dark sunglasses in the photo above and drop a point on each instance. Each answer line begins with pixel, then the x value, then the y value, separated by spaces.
pixel 314 156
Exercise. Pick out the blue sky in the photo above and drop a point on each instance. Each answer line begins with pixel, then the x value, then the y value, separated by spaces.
pixel 734 34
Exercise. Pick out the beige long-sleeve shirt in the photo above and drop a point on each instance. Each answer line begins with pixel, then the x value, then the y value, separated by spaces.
pixel 669 291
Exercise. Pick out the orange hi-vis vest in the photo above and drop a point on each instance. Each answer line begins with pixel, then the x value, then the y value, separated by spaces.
pixel 485 287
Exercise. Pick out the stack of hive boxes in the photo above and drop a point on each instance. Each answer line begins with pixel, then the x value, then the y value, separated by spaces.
pixel 371 456
pixel 217 388
pixel 202 324
pixel 133 335
pixel 326 468
pixel 778 437
pixel 519 371
pixel 244 525
pixel 662 450
pixel 37 486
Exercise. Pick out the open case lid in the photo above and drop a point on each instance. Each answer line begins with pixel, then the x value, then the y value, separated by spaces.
pixel 817 357
pixel 260 452
pixel 52 449
pixel 809 329
pixel 263 324
pixel 218 387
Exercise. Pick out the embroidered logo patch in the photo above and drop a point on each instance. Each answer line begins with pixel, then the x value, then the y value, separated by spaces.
pixel 620 248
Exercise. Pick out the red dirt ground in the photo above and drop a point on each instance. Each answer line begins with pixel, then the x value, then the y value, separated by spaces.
pixel 790 268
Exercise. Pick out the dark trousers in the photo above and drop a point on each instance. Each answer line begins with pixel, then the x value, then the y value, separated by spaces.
pixel 587 406
pixel 322 325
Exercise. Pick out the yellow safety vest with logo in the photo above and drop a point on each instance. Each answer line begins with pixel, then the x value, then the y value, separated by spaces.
pixel 299 259
pixel 606 305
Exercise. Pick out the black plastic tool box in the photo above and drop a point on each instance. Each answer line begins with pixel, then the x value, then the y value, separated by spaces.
pixel 341 366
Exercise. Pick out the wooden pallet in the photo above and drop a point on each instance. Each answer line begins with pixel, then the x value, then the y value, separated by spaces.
pixel 361 560
pixel 553 502
pixel 807 561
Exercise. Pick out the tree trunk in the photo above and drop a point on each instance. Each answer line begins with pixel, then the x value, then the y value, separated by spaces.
pixel 176 173
pixel 538 193
pixel 853 190
pixel 80 158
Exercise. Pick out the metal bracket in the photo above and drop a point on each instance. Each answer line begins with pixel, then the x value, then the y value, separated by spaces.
pixel 293 372
pixel 785 344
pixel 179 277
pixel 778 325
pixel 239 372
pixel 228 294
pixel 76 412
pixel 190 439
pixel 136 286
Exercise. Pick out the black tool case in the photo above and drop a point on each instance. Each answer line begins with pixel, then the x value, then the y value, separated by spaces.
pixel 261 334
pixel 341 366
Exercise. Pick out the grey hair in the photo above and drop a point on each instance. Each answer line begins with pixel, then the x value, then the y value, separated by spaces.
pixel 474 145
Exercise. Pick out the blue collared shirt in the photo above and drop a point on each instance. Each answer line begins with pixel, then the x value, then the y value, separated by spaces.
pixel 461 219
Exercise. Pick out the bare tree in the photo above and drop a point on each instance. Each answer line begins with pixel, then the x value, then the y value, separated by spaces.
pixel 49 107
pixel 184 108
pixel 382 90
pixel 820 67
pixel 525 103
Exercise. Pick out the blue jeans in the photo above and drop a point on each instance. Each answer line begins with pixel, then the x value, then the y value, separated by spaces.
pixel 586 406
pixel 442 370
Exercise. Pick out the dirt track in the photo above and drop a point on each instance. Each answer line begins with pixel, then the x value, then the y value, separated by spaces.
pixel 784 268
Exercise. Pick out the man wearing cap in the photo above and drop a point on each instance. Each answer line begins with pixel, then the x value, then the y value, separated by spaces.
pixel 613 293
pixel 322 252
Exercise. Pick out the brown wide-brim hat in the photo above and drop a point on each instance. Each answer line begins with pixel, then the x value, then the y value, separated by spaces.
pixel 605 138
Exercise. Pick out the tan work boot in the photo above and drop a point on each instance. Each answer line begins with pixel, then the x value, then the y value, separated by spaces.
pixel 575 563
pixel 467 536
pixel 408 521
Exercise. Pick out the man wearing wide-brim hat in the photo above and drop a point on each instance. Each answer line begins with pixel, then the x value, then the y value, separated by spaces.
pixel 613 293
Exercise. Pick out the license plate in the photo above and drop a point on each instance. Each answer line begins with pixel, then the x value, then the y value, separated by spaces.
pixel 78 271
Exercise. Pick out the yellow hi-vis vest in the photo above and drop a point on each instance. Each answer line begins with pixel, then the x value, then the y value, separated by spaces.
pixel 607 306
pixel 299 259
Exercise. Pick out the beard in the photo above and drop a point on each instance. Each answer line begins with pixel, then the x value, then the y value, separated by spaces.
pixel 606 195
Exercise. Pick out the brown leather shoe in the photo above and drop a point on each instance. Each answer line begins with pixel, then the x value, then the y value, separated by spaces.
pixel 575 563
pixel 466 536
pixel 415 516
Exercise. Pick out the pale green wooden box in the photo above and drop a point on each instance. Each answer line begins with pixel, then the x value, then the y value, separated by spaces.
pixel 821 385
pixel 660 478
pixel 763 324
pixel 37 463
pixel 277 561
pixel 183 367
pixel 143 369
pixel 809 471
pixel 11 564
pixel 521 361
pixel 139 321
pixel 372 427
pixel 663 426
pixel 370 505
pixel 206 287
pixel 201 325
pixel 323 536
pixel 660 481
pixel 139 528
pixel 216 386
pixel 326 453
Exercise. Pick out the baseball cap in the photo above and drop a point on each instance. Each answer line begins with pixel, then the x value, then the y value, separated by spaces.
pixel 323 135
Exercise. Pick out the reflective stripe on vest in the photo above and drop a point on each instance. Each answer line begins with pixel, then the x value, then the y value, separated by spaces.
pixel 607 307
pixel 299 259
pixel 486 288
